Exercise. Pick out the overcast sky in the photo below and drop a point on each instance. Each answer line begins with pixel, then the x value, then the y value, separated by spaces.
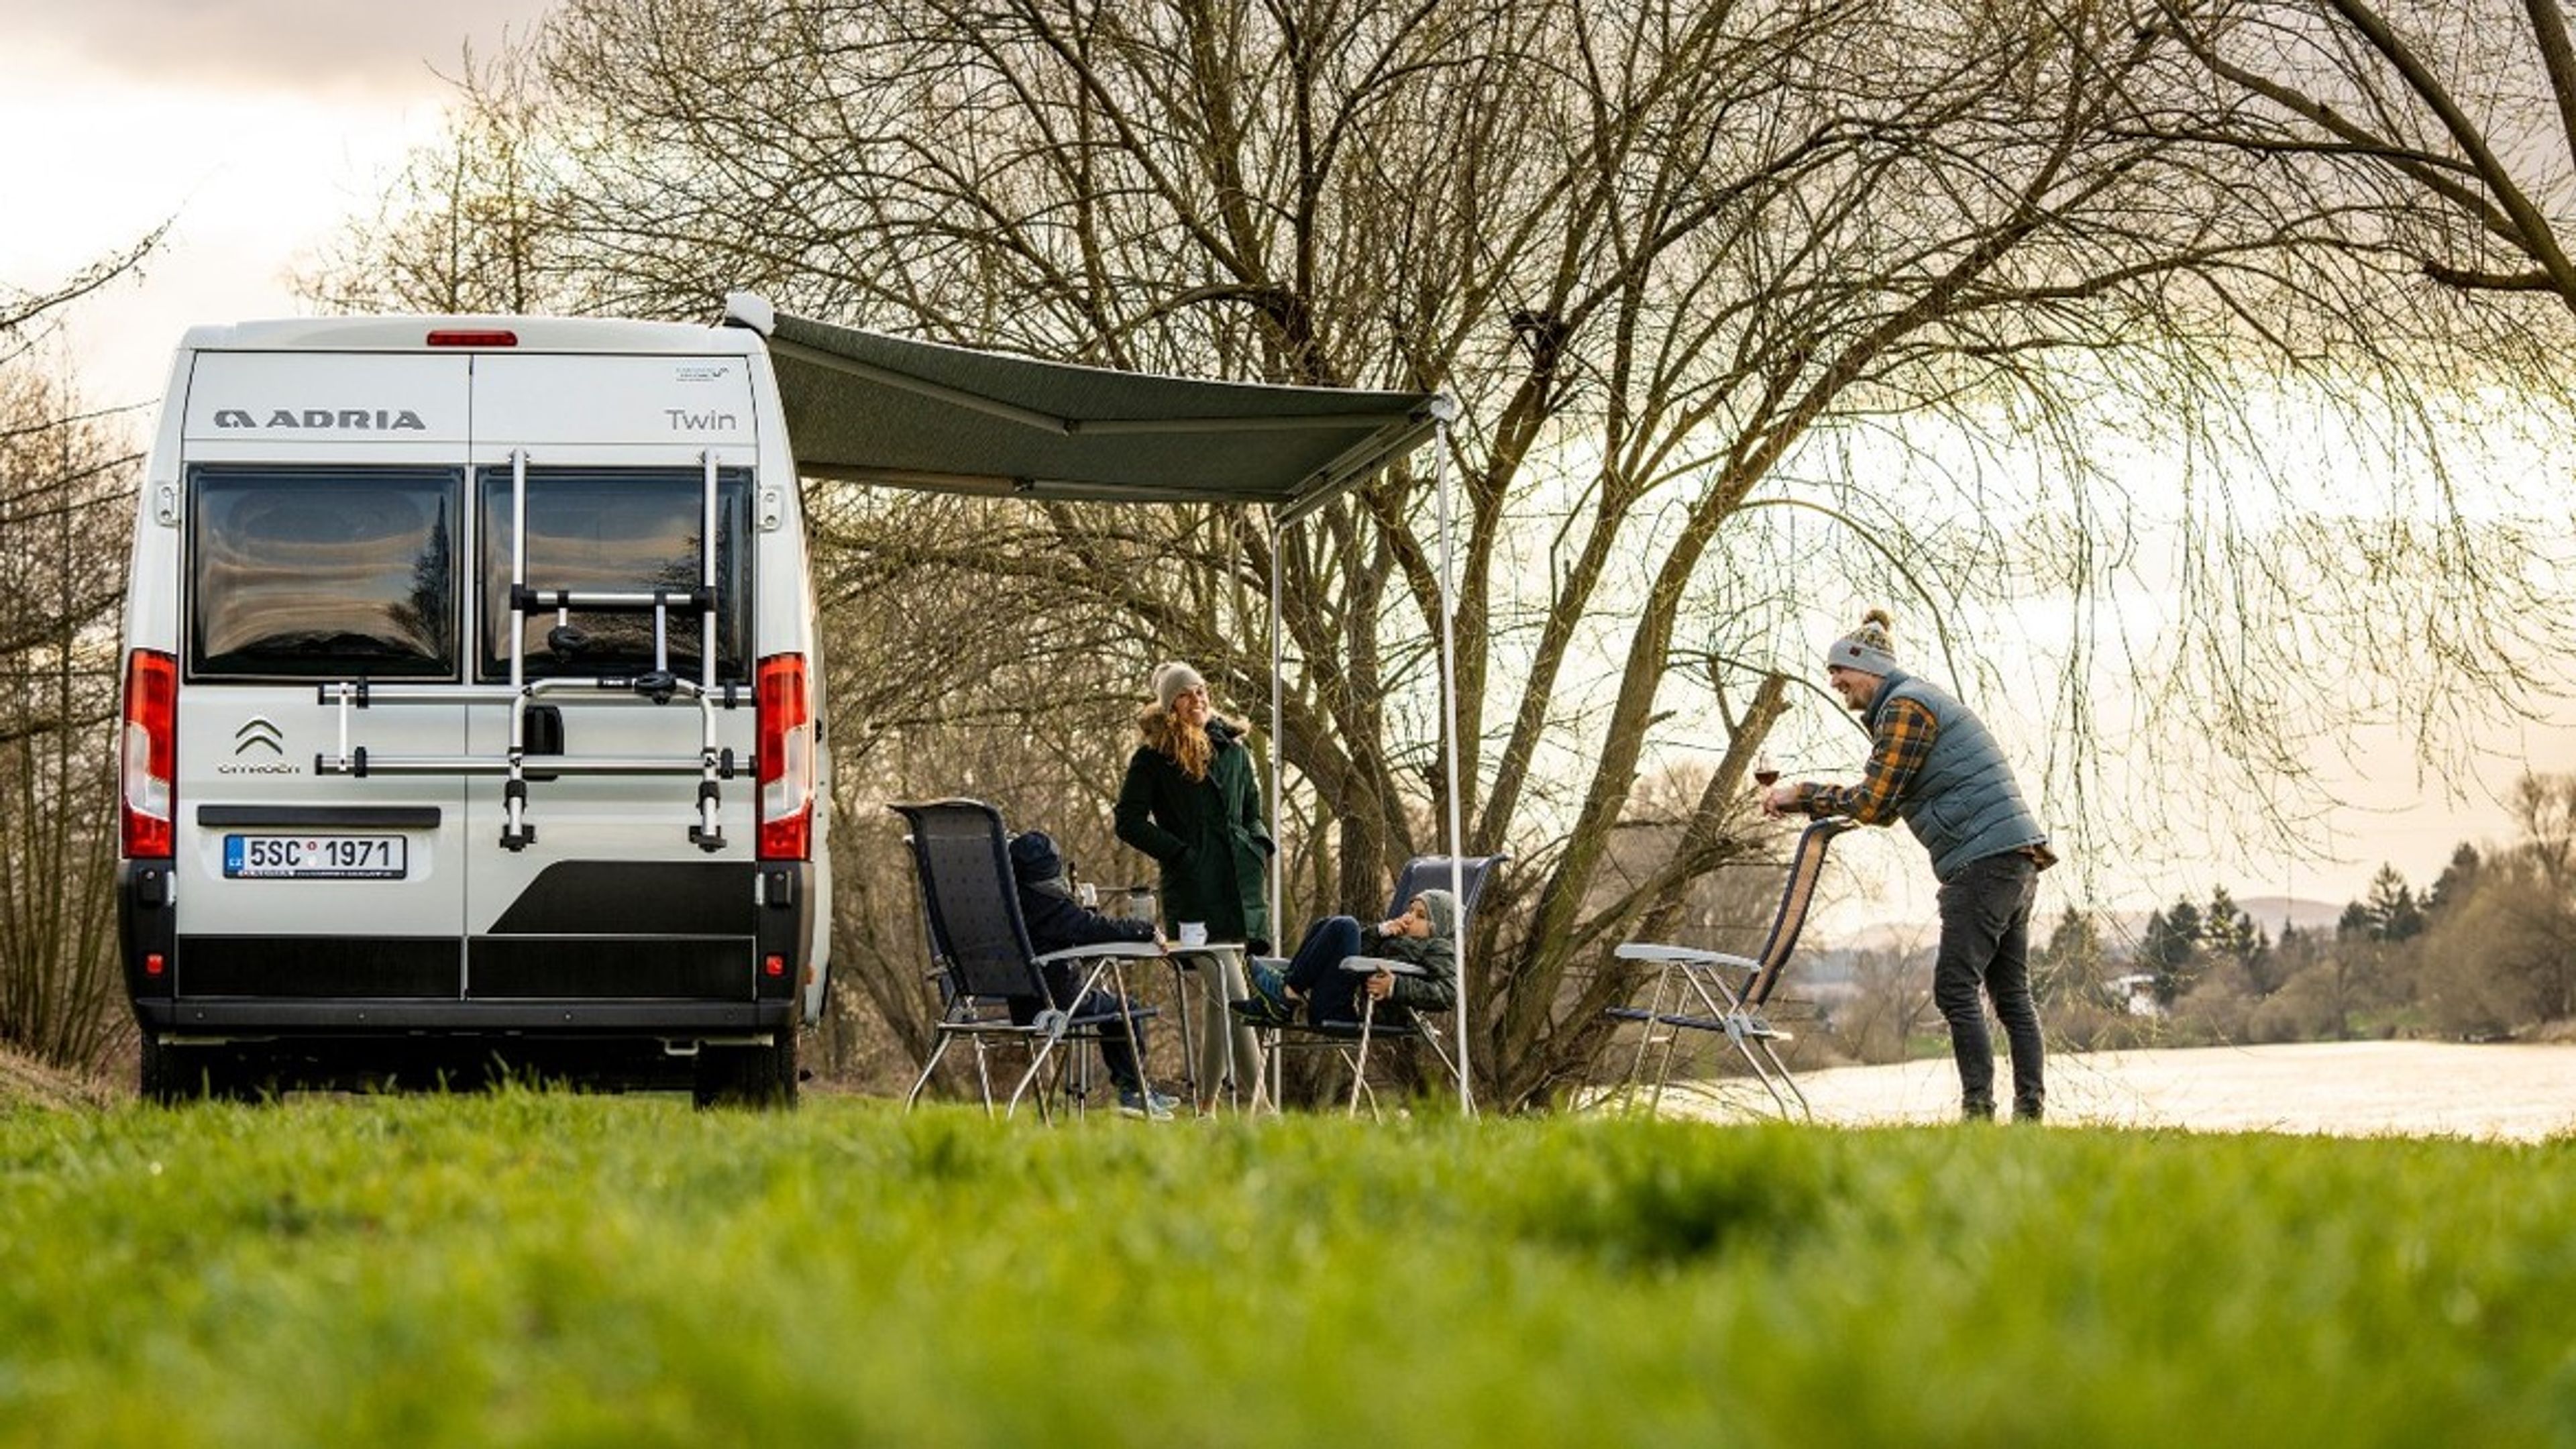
pixel 253 125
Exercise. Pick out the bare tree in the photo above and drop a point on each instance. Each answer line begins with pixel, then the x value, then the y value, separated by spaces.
pixel 1702 275
pixel 461 228
pixel 66 501
pixel 1888 1005
pixel 2468 104
pixel 26 316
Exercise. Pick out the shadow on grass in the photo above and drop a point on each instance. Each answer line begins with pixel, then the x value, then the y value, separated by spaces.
pixel 1650 1201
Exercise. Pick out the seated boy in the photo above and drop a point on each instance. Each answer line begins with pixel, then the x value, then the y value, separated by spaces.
pixel 1426 935
pixel 1056 921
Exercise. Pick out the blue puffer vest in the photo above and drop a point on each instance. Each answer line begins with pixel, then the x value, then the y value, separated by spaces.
pixel 1962 804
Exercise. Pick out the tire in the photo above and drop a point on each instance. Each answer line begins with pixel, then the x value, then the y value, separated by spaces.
pixel 170 1076
pixel 752 1076
pixel 156 1077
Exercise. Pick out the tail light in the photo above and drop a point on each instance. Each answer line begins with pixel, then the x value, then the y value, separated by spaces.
pixel 148 765
pixel 785 759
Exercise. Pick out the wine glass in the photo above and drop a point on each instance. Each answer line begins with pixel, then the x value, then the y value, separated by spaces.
pixel 1766 771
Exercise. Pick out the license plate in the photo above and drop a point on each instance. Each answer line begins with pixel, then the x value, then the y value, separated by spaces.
pixel 316 857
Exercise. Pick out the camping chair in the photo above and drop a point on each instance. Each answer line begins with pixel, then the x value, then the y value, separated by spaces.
pixel 972 907
pixel 1352 1039
pixel 1713 992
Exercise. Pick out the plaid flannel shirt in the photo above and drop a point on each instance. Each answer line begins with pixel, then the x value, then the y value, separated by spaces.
pixel 1897 749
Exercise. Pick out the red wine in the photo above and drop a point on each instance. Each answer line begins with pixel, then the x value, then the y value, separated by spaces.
pixel 1767 778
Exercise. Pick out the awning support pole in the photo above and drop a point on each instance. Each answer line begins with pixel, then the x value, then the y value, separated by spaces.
pixel 1449 738
pixel 1278 752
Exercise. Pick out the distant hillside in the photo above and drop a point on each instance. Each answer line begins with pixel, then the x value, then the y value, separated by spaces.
pixel 2122 930
pixel 2270 912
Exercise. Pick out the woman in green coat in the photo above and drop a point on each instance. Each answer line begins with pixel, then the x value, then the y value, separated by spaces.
pixel 1192 802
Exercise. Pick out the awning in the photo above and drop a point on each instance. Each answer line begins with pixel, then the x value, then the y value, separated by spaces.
pixel 870 408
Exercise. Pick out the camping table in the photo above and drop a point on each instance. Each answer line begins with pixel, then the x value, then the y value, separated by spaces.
pixel 1229 1054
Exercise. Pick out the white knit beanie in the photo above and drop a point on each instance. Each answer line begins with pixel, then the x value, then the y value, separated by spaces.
pixel 1173 680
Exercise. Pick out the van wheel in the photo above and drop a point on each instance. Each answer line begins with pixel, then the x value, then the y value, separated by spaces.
pixel 753 1076
pixel 172 1075
pixel 157 1079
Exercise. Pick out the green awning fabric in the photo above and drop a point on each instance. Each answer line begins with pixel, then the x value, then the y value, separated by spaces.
pixel 870 408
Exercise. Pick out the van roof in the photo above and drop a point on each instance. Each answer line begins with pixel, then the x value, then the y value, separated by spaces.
pixel 411 334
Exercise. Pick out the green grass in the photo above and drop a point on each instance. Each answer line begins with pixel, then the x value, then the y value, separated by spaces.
pixel 534 1268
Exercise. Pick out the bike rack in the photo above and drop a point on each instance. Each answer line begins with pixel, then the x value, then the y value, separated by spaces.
pixel 657 686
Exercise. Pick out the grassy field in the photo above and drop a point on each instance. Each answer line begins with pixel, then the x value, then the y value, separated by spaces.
pixel 531 1268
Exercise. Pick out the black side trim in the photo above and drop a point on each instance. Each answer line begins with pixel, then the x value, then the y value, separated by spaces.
pixel 635 898
pixel 786 924
pixel 610 968
pixel 145 924
pixel 362 817
pixel 318 966
pixel 362 1018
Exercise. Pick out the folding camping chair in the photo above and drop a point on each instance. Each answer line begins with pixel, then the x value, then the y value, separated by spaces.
pixel 1352 1039
pixel 972 908
pixel 1713 992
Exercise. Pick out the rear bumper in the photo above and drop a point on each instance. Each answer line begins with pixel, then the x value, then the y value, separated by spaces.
pixel 592 951
pixel 377 1017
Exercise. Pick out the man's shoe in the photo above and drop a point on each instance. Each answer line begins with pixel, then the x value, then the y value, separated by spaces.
pixel 1149 1105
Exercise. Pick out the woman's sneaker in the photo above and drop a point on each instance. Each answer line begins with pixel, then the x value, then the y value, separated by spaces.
pixel 1146 1103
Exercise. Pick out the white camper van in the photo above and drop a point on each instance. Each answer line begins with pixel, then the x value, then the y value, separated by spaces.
pixel 472 711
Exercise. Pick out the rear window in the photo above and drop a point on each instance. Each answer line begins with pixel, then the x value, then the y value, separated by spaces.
pixel 614 530
pixel 332 572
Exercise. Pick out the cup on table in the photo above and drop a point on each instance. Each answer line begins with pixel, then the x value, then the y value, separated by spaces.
pixel 1193 933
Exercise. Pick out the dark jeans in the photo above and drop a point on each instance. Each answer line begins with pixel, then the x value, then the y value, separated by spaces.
pixel 1985 942
pixel 1316 970
pixel 1115 1052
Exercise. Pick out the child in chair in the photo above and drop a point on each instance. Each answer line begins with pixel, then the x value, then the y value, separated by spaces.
pixel 1426 935
pixel 1056 922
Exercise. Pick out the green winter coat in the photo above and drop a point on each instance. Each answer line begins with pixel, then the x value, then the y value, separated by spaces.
pixel 1436 953
pixel 1207 835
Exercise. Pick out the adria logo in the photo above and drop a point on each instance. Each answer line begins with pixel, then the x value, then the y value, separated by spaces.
pixel 259 732
pixel 372 420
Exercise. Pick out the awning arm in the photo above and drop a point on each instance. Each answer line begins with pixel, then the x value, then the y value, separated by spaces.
pixel 1369 455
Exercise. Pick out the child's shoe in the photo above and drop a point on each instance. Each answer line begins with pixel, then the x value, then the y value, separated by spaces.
pixel 1269 1004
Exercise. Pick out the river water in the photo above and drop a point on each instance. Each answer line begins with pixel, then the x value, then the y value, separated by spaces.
pixel 2500 1092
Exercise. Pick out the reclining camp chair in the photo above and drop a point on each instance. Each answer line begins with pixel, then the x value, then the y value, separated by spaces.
pixel 1709 991
pixel 972 907
pixel 1351 1039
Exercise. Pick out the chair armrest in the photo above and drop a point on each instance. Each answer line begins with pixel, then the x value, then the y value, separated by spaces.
pixel 1682 956
pixel 1371 965
pixel 1132 950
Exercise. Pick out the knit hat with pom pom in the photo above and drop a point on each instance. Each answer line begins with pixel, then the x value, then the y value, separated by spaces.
pixel 1173 680
pixel 1869 648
